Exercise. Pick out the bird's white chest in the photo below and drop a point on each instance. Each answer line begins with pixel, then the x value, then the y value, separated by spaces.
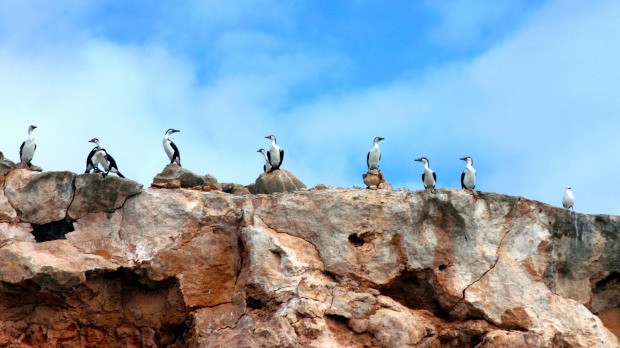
pixel 373 158
pixel 274 153
pixel 568 200
pixel 429 180
pixel 168 148
pixel 100 159
pixel 470 177
pixel 29 146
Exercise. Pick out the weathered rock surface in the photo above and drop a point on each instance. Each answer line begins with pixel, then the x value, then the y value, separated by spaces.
pixel 174 176
pixel 95 193
pixel 315 268
pixel 277 181
pixel 375 179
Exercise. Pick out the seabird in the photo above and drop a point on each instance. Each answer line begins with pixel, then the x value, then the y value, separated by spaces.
pixel 108 163
pixel 275 155
pixel 468 177
pixel 171 149
pixel 267 165
pixel 429 178
pixel 569 199
pixel 91 160
pixel 26 151
pixel 374 155
pixel 99 156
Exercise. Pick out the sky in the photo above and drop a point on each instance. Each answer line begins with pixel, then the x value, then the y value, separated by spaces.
pixel 529 89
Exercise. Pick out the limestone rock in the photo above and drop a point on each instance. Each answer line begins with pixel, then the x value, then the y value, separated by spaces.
pixel 277 181
pixel 32 167
pixel 375 179
pixel 6 166
pixel 319 268
pixel 95 193
pixel 235 189
pixel 39 198
pixel 174 176
pixel 211 184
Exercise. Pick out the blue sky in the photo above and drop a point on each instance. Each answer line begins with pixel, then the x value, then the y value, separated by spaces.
pixel 529 89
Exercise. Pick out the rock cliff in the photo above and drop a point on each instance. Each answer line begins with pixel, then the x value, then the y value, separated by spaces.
pixel 92 262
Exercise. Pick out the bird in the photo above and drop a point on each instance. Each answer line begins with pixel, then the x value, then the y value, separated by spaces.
pixel 429 178
pixel 99 156
pixel 275 155
pixel 569 200
pixel 171 149
pixel 91 160
pixel 108 163
pixel 26 151
pixel 374 155
pixel 267 165
pixel 468 177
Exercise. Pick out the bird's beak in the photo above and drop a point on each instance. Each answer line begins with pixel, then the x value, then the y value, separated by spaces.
pixel 419 159
pixel 463 159
pixel 267 137
pixel 176 131
pixel 381 138
pixel 257 150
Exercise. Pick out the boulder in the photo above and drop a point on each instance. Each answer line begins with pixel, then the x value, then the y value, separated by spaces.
pixel 95 193
pixel 6 166
pixel 39 198
pixel 174 176
pixel 277 181
pixel 235 189
pixel 374 179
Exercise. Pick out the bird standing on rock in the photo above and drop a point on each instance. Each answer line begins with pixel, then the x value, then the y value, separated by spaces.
pixel 171 149
pixel 99 156
pixel 468 177
pixel 267 165
pixel 374 155
pixel 26 151
pixel 275 155
pixel 569 200
pixel 429 178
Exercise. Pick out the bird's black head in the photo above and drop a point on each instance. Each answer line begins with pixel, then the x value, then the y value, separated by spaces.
pixel 378 139
pixel 271 137
pixel 423 160
pixel 467 159
pixel 31 128
pixel 172 130
pixel 94 140
pixel 261 150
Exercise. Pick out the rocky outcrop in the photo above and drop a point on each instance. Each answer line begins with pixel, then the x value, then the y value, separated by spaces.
pixel 375 179
pixel 277 181
pixel 314 268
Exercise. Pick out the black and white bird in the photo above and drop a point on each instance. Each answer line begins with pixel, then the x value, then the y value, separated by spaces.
pixel 374 155
pixel 569 200
pixel 171 149
pixel 91 160
pixel 468 177
pixel 267 165
pixel 26 151
pixel 275 155
pixel 99 156
pixel 429 178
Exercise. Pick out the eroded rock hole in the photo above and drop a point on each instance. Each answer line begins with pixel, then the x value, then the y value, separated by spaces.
pixel 355 240
pixel 52 231
pixel 253 303
pixel 414 290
